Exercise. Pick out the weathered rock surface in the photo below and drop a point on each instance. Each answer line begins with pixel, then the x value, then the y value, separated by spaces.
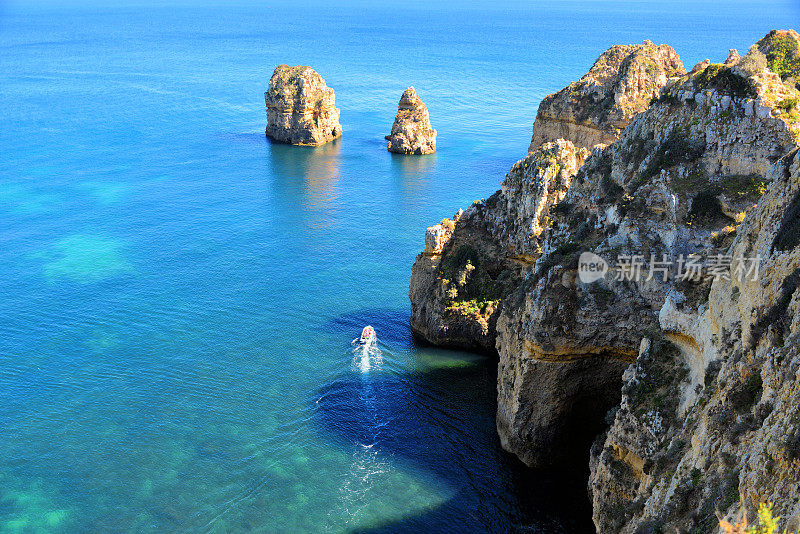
pixel 412 132
pixel 711 382
pixel 735 430
pixel 595 109
pixel 659 190
pixel 301 108
pixel 733 58
pixel 709 409
pixel 471 262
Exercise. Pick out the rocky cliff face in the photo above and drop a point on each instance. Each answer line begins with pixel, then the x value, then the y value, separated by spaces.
pixel 697 375
pixel 472 262
pixel 678 181
pixel 595 109
pixel 301 108
pixel 709 409
pixel 412 132
pixel 732 366
pixel 509 226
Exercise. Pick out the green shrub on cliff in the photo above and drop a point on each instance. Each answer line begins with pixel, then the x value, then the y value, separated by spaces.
pixel 767 523
pixel 737 186
pixel 562 208
pixel 787 104
pixel 458 260
pixel 748 393
pixel 783 54
pixel 777 318
pixel 789 107
pixel 448 224
pixel 475 279
pixel 472 307
pixel 658 389
pixel 675 149
pixel 749 186
pixel 789 233
pixel 724 80
pixel 753 62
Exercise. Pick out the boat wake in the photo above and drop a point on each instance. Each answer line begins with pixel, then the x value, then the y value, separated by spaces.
pixel 369 467
pixel 366 354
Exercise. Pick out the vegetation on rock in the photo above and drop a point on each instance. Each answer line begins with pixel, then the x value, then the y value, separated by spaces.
pixel 706 406
pixel 767 523
pixel 726 81
pixel 754 62
pixel 783 54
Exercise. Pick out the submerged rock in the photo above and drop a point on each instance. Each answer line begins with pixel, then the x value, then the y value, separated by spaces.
pixel 412 132
pixel 301 108
pixel 595 109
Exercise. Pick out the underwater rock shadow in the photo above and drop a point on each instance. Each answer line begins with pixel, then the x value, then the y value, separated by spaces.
pixel 438 423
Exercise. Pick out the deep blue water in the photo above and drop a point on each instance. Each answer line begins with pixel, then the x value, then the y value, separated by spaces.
pixel 178 295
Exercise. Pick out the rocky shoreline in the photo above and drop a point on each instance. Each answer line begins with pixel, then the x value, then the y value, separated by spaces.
pixel 685 389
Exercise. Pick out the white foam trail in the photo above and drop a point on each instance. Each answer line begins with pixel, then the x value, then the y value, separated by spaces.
pixel 368 467
pixel 366 355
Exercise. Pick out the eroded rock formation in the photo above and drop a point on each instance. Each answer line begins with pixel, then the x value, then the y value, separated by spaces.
pixel 595 109
pixel 711 382
pixel 472 262
pixel 301 108
pixel 679 180
pixel 412 132
pixel 731 366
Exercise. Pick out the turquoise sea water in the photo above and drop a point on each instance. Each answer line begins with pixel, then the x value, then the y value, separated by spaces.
pixel 178 295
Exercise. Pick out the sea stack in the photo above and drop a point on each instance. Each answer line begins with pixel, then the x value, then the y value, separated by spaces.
pixel 301 108
pixel 412 132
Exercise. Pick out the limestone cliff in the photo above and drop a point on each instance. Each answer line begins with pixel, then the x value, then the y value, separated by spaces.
pixel 733 426
pixel 678 181
pixel 412 132
pixel 709 409
pixel 595 109
pixel 472 262
pixel 301 108
pixel 697 376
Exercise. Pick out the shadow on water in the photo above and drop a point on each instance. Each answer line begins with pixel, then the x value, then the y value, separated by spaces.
pixel 440 425
pixel 413 166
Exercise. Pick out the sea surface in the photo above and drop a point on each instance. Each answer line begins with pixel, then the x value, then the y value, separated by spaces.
pixel 178 295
